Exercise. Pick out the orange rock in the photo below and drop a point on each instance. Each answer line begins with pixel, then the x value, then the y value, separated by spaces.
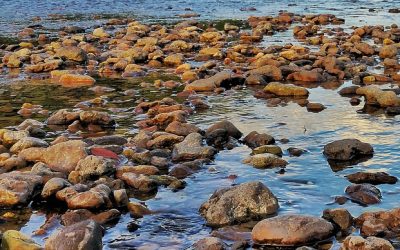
pixel 306 76
pixel 73 80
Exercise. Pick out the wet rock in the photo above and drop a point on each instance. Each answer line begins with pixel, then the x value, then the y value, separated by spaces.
pixel 192 148
pixel 52 186
pixel 11 162
pixel 364 193
pixel 254 139
pixel 239 204
pixel 109 140
pixel 14 240
pixel 265 160
pixel 121 197
pixel 210 243
pixel 140 169
pixel 180 171
pixel 164 140
pixel 291 230
pixel 138 210
pixel 18 188
pixel 227 126
pixel 370 243
pixel 28 142
pixel 340 217
pixel 30 123
pixel 83 235
pixel 139 182
pixel 347 149
pixel 62 157
pixel 281 89
pixel 72 53
pixel 94 166
pixel 75 80
pixel 375 96
pixel 352 90
pixel 371 178
pixel 43 170
pixel 271 149
pixel 182 129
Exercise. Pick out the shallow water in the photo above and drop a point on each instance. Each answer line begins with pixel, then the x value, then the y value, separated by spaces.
pixel 308 185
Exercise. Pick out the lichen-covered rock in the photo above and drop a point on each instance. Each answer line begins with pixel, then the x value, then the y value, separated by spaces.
pixel 291 230
pixel 14 240
pixel 94 166
pixel 281 89
pixel 265 160
pixel 239 204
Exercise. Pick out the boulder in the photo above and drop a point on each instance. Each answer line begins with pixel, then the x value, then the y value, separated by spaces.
pixel 82 235
pixel 18 188
pixel 14 240
pixel 254 139
pixel 379 223
pixel 370 243
pixel 339 217
pixel 191 148
pixel 291 230
pixel 239 204
pixel 347 150
pixel 94 166
pixel 375 96
pixel 281 89
pixel 182 129
pixel 364 193
pixel 226 126
pixel 371 178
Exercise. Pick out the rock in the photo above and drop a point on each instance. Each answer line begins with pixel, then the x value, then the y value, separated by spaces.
pixel 254 139
pixel 182 129
pixel 30 123
pixel 315 107
pixel 352 90
pixel 121 197
pixel 268 72
pixel 271 149
pixel 388 51
pixel 265 160
pixel 291 230
pixel 43 170
pixel 210 243
pixel 223 79
pixel 10 137
pixel 364 193
pixel 27 142
pixel 140 169
pixel 62 157
pixel 54 185
pixel 165 140
pixel 10 163
pixel 141 182
pixel 94 198
pixel 138 210
pixel 374 95
pixel 191 148
pixel 82 235
pixel 96 117
pixel 340 217
pixel 226 126
pixel 380 223
pixel 306 76
pixel 180 171
pixel 18 188
pixel 371 178
pixel 109 140
pixel 347 149
pixel 365 49
pixel 100 33
pixel 173 60
pixel 62 117
pixel 72 53
pixel 281 89
pixel 370 243
pixel 74 80
pixel 94 166
pixel 295 151
pixel 44 67
pixel 14 240
pixel 239 204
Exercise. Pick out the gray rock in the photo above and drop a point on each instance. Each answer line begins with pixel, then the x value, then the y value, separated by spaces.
pixel 53 186
pixel 347 149
pixel 191 148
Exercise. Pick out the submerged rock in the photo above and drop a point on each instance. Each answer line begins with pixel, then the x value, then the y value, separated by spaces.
pixel 239 204
pixel 291 230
